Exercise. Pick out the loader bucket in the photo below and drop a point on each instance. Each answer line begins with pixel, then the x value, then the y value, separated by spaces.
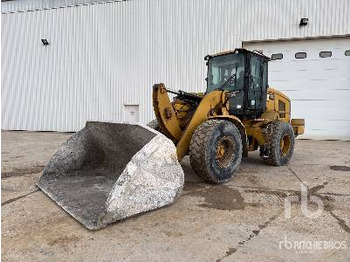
pixel 110 171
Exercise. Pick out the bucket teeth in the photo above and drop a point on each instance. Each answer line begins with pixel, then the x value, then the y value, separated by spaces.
pixel 110 171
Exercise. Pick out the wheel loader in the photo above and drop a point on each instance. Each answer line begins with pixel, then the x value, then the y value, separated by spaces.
pixel 237 113
pixel 110 171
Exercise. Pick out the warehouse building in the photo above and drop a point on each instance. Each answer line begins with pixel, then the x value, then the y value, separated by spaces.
pixel 68 61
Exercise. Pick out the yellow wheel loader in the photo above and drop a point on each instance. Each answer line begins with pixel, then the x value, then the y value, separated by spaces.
pixel 237 113
pixel 110 171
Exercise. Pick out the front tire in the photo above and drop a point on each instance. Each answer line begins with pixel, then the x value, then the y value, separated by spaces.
pixel 216 150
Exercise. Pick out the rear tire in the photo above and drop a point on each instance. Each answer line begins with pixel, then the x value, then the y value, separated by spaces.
pixel 280 145
pixel 216 150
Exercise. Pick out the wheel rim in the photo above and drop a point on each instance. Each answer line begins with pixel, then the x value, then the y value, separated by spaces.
pixel 225 151
pixel 285 144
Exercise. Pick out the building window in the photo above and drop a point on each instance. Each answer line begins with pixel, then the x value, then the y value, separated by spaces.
pixel 324 54
pixel 278 56
pixel 347 52
pixel 300 55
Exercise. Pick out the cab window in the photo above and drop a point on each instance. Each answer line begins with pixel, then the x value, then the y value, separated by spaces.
pixel 256 73
pixel 226 72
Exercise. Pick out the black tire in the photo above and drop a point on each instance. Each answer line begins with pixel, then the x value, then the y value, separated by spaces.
pixel 280 144
pixel 154 125
pixel 216 150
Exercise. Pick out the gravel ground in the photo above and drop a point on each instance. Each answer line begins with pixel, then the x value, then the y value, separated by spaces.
pixel 242 220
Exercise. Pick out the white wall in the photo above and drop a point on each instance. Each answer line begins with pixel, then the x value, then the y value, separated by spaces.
pixel 106 55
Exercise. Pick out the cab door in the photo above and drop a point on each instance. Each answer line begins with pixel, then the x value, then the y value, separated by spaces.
pixel 257 84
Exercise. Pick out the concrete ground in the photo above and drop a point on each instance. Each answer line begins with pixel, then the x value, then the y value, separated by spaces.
pixel 243 220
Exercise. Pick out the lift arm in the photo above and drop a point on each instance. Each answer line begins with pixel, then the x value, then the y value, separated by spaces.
pixel 209 106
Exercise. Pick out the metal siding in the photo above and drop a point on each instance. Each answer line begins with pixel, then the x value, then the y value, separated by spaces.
pixel 35 5
pixel 103 56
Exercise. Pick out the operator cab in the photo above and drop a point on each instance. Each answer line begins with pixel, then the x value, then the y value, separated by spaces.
pixel 244 74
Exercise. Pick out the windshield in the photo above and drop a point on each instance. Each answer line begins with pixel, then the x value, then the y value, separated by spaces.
pixel 226 72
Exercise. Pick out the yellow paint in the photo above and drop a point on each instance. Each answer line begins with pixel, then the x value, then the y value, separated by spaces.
pixel 205 109
pixel 165 113
pixel 178 120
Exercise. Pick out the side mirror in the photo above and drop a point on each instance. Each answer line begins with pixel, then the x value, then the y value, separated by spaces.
pixel 207 57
